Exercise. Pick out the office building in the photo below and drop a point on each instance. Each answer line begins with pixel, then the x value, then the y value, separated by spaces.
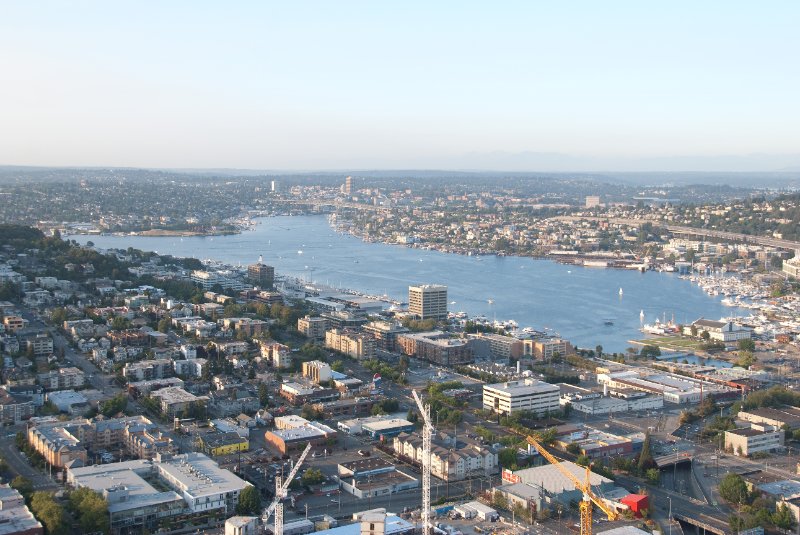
pixel 317 371
pixel 347 189
pixel 756 438
pixel 385 333
pixel 527 395
pixel 428 301
pixel 261 275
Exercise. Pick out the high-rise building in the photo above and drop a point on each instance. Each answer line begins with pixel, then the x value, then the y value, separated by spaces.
pixel 348 185
pixel 592 201
pixel 428 301
pixel 261 274
pixel 273 186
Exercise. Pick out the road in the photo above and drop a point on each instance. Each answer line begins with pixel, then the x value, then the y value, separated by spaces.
pixel 19 465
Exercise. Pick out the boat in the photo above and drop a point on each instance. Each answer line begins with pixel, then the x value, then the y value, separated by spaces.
pixel 608 321
pixel 620 292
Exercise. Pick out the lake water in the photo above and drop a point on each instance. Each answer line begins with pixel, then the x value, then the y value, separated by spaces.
pixel 571 300
pixel 694 359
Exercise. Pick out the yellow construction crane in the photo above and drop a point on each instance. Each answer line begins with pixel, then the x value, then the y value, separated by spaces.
pixel 585 487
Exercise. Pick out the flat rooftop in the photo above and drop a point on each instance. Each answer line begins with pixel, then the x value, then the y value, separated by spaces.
pixel 386 424
pixel 522 388
pixel 199 475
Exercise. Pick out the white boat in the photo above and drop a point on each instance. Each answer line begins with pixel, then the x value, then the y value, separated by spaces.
pixel 620 292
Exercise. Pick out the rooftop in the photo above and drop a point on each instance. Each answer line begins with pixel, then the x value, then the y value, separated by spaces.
pixel 522 388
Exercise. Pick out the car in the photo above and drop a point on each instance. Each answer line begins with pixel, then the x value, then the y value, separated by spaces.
pixel 364 453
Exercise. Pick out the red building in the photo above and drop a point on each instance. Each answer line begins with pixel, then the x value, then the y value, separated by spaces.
pixel 637 503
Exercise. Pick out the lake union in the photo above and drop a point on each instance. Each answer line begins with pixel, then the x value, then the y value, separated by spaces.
pixel 574 301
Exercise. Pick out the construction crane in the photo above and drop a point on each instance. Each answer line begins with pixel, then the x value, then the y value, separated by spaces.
pixel 427 433
pixel 585 487
pixel 281 488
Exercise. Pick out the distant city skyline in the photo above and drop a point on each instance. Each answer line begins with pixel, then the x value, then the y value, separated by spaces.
pixel 619 86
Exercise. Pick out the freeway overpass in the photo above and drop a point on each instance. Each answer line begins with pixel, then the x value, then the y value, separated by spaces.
pixel 692 231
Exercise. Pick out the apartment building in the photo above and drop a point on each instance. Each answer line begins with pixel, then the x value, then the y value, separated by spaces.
pixel 385 333
pixel 503 347
pixel 527 395
pixel 356 345
pixel 174 400
pixel 437 347
pixel 261 275
pixel 313 327
pixel 317 371
pixel 40 345
pixel 452 459
pixel 145 370
pixel 62 379
pixel 547 348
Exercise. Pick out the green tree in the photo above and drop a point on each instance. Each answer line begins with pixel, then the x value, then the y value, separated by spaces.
pixel 583 460
pixel 338 366
pixel 263 394
pixel 653 475
pixel 165 323
pixel 783 518
pixel 91 509
pixel 49 513
pixel 646 456
pixel 598 350
pixel 23 485
pixel 733 489
pixel 249 501
pixel 574 448
pixel 507 457
pixel 120 323
pixel 312 476
pixel 746 344
pixel 499 500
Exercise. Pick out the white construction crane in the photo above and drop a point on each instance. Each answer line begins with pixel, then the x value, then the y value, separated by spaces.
pixel 281 488
pixel 427 433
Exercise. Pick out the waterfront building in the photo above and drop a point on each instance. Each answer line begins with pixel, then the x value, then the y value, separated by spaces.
pixel 754 439
pixel 721 331
pixel 428 301
pixel 547 348
pixel 673 388
pixel 527 395
pixel 503 347
pixel 436 347
pixel 261 275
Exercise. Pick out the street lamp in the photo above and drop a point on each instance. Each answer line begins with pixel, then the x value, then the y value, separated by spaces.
pixel 669 516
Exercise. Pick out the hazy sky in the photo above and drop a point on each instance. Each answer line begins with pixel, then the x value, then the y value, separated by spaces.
pixel 349 85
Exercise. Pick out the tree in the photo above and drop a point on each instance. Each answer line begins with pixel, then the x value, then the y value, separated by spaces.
pixel 338 366
pixel 263 394
pixel 507 457
pixel 783 518
pixel 49 513
pixel 583 460
pixel 598 350
pixel 91 509
pixel 165 323
pixel 499 500
pixel 574 448
pixel 249 501
pixel 705 336
pixel 653 475
pixel 312 476
pixel 733 489
pixel 23 485
pixel 646 456
pixel 746 344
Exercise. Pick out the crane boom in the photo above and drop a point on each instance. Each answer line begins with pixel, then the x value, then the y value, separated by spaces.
pixel 282 487
pixel 427 433
pixel 589 497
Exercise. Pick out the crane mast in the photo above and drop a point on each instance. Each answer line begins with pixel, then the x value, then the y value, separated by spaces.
pixel 427 433
pixel 585 487
pixel 281 488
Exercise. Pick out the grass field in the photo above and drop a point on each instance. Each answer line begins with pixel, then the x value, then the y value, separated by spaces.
pixel 671 342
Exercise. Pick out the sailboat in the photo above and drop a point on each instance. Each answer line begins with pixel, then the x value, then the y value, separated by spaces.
pixel 641 317
pixel 620 292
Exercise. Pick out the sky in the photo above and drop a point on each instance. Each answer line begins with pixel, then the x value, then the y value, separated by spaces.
pixel 538 86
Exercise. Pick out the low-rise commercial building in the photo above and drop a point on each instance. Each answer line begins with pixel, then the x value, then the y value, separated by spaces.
pixel 527 395
pixel 175 399
pixel 547 348
pixel 300 394
pixel 216 444
pixel 345 407
pixel 197 486
pixel 780 418
pixel 756 438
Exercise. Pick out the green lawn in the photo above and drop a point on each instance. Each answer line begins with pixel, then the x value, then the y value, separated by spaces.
pixel 671 342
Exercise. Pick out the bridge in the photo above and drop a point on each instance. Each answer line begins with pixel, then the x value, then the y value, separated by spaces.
pixel 336 204
pixel 692 231
pixel 664 461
